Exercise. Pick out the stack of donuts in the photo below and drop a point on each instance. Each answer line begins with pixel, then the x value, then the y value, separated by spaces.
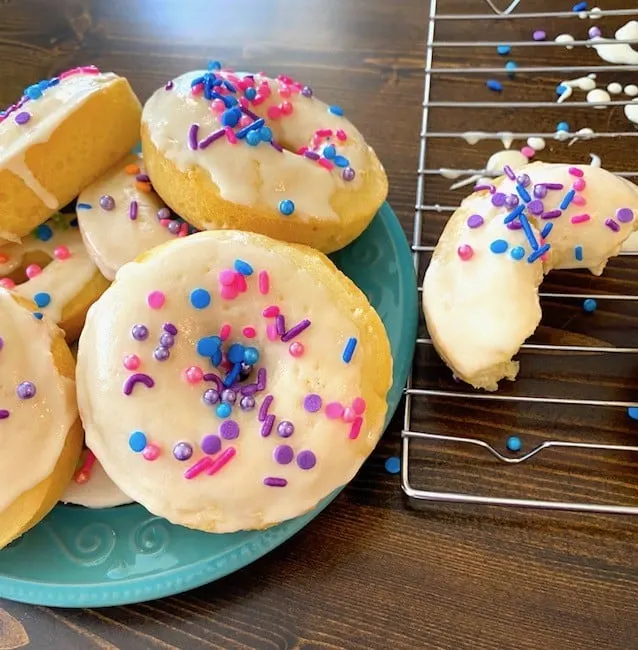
pixel 171 330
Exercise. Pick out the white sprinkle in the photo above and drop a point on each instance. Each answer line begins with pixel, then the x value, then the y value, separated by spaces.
pixel 631 90
pixel 598 97
pixel 595 160
pixel 565 38
pixel 507 138
pixel 472 137
pixel 561 135
pixel 614 88
pixel 584 134
pixel 537 144
pixel 631 111
pixel 595 13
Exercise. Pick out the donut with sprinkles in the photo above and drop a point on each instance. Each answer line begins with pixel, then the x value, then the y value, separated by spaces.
pixel 480 291
pixel 220 392
pixel 250 152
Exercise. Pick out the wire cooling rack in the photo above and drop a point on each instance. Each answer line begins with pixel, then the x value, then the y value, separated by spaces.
pixel 603 450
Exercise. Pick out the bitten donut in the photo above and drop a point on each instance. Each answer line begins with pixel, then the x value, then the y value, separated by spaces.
pixel 40 432
pixel 480 292
pixel 219 392
pixel 91 487
pixel 247 152
pixel 52 268
pixel 121 216
pixel 59 137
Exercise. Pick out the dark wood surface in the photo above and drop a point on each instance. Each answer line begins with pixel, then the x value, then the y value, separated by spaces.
pixel 375 570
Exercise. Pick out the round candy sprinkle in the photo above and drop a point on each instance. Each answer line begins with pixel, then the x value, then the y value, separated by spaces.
pixel 285 429
pixel 182 451
pixel 540 191
pixel 211 396
pixel 170 328
pixel 336 110
pixel 536 206
pixel 312 403
pixel 44 232
pixel 139 332
pixel 286 207
pixel 475 221
pixel 211 444
pixel 499 246
pixel 503 50
pixel 510 67
pixel 334 410
pixel 229 396
pixel 194 374
pixel 236 353
pixel 539 35
pixel 579 185
pixel 253 138
pixel 32 271
pixel 306 459
pixel 250 93
pixel 7 283
pixel 161 353
pixel 163 213
pixel 38 315
pixel 590 305
pixel 359 405
pixel 249 332
pixel 348 174
pixel 562 126
pixel 251 355
pixel 594 32
pixel 349 415
pixel 296 349
pixel 230 117
pixel 137 441
pixel 229 430
pixel 393 465
pixel 151 452
pixel 512 201
pixel 283 454
pixel 514 443
pixel 200 298
pixel 243 267
pixel 523 180
pixel 167 340
pixel 42 299
pixel 247 403
pixel 498 199
pixel 107 202
pixel 494 85
pixel 132 362
pixel 208 346
pixel 465 252
pixel 223 410
pixel 26 390
pixel 624 215
pixel 306 91
pixel 226 277
pixel 517 253
pixel 61 253
pixel 632 412
pixel 528 152
pixel 155 299
pixel 22 117
pixel 329 152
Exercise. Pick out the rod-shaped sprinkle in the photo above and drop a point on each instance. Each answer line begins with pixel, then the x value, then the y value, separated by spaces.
pixel 137 378
pixel 226 456
pixel 295 330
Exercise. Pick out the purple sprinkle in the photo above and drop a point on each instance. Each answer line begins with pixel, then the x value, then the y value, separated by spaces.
pixel 594 32
pixel 539 35
pixel 211 444
pixel 276 145
pixel 247 403
pixel 263 409
pixel 168 86
pixel 554 186
pixel 211 396
pixel 267 426
pixel 182 451
pixel 512 201
pixel 540 191
pixel 174 227
pixel 4 414
pixel 167 340
pixel 481 188
pixel 211 138
pixel 274 481
pixel 137 378
pixel 498 199
pixel 229 395
pixel 139 332
pixel 22 118
pixel 612 225
pixel 294 331
pixel 211 376
pixel 143 178
pixel 229 430
pixel 285 429
pixel 552 214
pixel 283 454
pixel 509 172
pixel 251 115
pixel 306 91
pixel 280 323
pixel 312 155
pixel 312 403
pixel 192 136
pixel 624 215
pixel 514 225
pixel 536 206
pixel 1 343
pixel 524 180
pixel 475 221
pixel 348 174
pixel 170 328
pixel 132 211
pixel 249 389
pixel 261 379
pixel 306 459
pixel 161 353
pixel 107 202
pixel 163 213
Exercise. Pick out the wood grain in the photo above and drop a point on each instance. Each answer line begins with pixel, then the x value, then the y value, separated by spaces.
pixel 376 571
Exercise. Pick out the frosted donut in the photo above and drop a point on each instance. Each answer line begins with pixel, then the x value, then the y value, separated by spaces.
pixel 52 268
pixel 248 152
pixel 40 432
pixel 480 291
pixel 218 392
pixel 121 216
pixel 62 134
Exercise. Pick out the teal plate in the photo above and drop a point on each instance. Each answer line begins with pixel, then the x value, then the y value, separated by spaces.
pixel 97 558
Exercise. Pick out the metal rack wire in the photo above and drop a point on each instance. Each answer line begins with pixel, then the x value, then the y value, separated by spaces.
pixel 415 395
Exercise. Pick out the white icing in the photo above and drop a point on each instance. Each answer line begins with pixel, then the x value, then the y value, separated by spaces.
pixel 451 174
pixel 32 437
pixel 473 137
pixel 507 138
pixel 598 97
pixel 581 83
pixel 631 111
pixel 538 144
pixel 614 88
pixel 582 134
pixel 565 39
pixel 595 160
pixel 493 167
pixel 622 53
pixel 631 90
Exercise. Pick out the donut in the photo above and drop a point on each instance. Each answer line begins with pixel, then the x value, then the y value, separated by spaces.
pixel 59 137
pixel 244 151
pixel 91 487
pixel 480 291
pixel 219 392
pixel 39 426
pixel 121 216
pixel 52 268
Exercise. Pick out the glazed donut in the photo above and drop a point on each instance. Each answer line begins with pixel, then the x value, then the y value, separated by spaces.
pixel 219 392
pixel 480 291
pixel 39 424
pixel 52 269
pixel 60 136
pixel 121 216
pixel 247 152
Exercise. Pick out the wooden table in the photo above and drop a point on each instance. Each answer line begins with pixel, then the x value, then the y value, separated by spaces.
pixel 373 571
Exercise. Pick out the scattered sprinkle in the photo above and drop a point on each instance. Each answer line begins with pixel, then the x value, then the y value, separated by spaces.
pixel 137 441
pixel 155 299
pixel 243 267
pixel 107 202
pixel 200 298
pixel 335 110
pixel 578 253
pixel 590 305
pixel 137 378
pixel 286 207
pixel 632 412
pixel 514 443
pixel 44 232
pixel 494 85
pixel 499 246
pixel 274 481
pixel 510 68
pixel 465 252
pixel 42 299
pixel 517 253
pixel 348 351
pixel 393 465
pixel 306 459
pixel 503 50
pixel 132 210
pixel 312 403
pixel 539 35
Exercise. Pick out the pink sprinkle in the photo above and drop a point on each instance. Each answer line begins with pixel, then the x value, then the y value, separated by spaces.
pixel 579 184
pixel 579 200
pixel 580 218
pixel 286 108
pixel 355 430
pixel 230 135
pixel 323 133
pixel 194 374
pixel 224 332
pixel 274 112
pixel 227 277
pixel 197 89
pixel 249 332
pixel 271 331
pixel 164 222
pixel 33 270
pixel 574 171
pixel 240 283
pixel 244 120
pixel 465 252
pixel 183 231
pixel 348 415
pixel 4 258
pixel 226 456
pixel 198 467
pixel 7 283
pixel 296 349
pixel 264 283
pixel 284 91
pixel 341 135
pixel 229 293
pixel 155 299
pixel 90 69
pixel 259 99
pixel 324 162
pixel 217 106
pixel 301 151
pixel 61 253
pixel 528 152
pixel 359 405
pixel 132 362
pixel 151 452
pixel 68 73
pixel 334 410
pixel 270 312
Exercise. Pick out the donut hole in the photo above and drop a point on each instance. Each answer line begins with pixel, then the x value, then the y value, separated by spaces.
pixel 39 258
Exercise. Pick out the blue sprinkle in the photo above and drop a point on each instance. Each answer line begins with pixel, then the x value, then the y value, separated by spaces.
pixel 54 82
pixel 523 193
pixel 235 353
pixel 286 207
pixel 251 356
pixel 216 358
pixel 257 124
pixel 253 138
pixel 527 229
pixel 230 117
pixel 632 412
pixel 137 441
pixel 335 110
pixel 514 214
pixel 42 299
pixel 538 253
pixel 200 298
pixel 546 230
pixel 265 133
pixel 33 92
pixel 43 85
pixel 232 375
pixel 590 305
pixel 38 315
pixel 499 246
pixel 208 346
pixel 243 267
pixel 250 93
pixel 340 161
pixel 579 6
pixel 510 67
pixel 393 465
pixel 494 85
pixel 329 152
pixel 83 206
pixel 568 198
pixel 229 86
pixel 578 253
pixel 562 126
pixel 348 351
pixel 197 80
pixel 214 65
pixel 560 89
pixel 514 443
pixel 223 410
pixel 503 49
pixel 517 253
pixel 44 232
